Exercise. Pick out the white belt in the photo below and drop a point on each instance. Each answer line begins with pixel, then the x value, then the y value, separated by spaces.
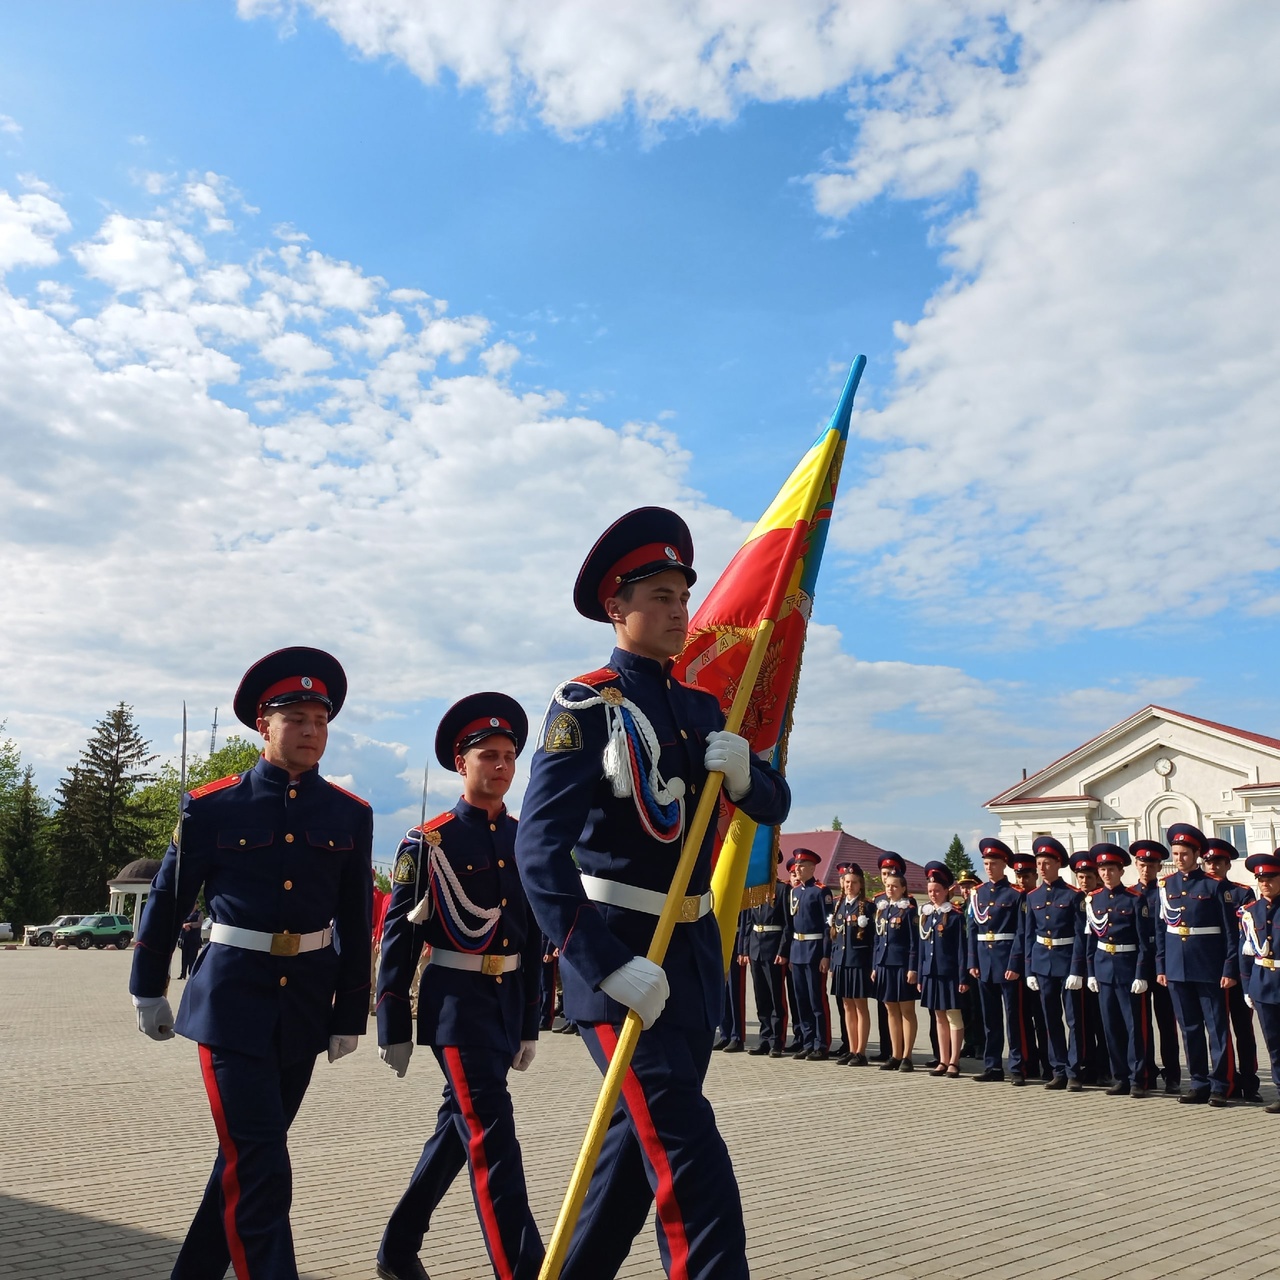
pixel 1266 962
pixel 490 965
pixel 615 894
pixel 807 937
pixel 996 937
pixel 1186 931
pixel 276 944
pixel 1054 942
pixel 767 928
pixel 1115 948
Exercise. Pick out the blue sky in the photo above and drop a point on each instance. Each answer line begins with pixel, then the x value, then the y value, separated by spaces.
pixel 1054 507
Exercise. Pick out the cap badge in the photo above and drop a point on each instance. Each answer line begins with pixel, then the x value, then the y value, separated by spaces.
pixel 494 722
pixel 670 553
pixel 306 682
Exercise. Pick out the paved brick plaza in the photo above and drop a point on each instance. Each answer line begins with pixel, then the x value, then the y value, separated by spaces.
pixel 106 1141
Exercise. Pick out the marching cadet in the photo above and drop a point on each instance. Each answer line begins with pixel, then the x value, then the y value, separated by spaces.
pixel 455 887
pixel 1094 1054
pixel 1049 950
pixel 285 859
pixel 992 926
pixel 852 935
pixel 1035 1033
pixel 765 925
pixel 1149 855
pixel 1121 964
pixel 896 963
pixel 1259 948
pixel 1197 958
pixel 1217 860
pixel 734 1025
pixel 621 814
pixel 807 943
pixel 942 971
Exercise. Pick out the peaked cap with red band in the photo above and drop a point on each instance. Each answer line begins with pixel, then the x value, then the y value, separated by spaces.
pixel 1185 833
pixel 1149 851
pixel 1263 864
pixel 298 674
pixel 1022 862
pixel 939 873
pixel 642 543
pixel 1106 854
pixel 1218 848
pixel 803 855
pixel 892 863
pixel 476 717
pixel 990 847
pixel 1050 845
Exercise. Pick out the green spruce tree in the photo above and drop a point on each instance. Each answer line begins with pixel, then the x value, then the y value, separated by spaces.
pixel 958 861
pixel 24 874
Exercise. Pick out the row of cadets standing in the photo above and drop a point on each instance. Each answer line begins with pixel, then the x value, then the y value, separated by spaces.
pixel 284 858
pixel 806 941
pixel 456 889
pixel 622 751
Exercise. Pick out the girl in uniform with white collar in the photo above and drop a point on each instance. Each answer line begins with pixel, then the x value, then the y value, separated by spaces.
pixel 896 961
pixel 852 937
pixel 942 973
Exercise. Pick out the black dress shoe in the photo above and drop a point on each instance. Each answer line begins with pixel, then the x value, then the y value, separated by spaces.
pixel 776 1053
pixel 1138 1091
pixel 906 1065
pixel 819 1055
pixel 800 1055
pixel 1057 1082
pixel 721 1044
pixel 1173 1088
pixel 1218 1100
pixel 408 1270
pixel 1074 1086
pixel 1119 1090
pixel 844 1059
pixel 793 1047
pixel 760 1050
pixel 734 1046
pixel 989 1076
pixel 859 1060
pixel 1018 1081
pixel 1272 1108
pixel 1194 1096
pixel 933 1062
pixel 890 1064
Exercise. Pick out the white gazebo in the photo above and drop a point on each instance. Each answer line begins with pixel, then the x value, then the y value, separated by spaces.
pixel 129 889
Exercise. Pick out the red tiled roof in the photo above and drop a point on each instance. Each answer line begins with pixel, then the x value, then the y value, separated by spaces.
pixel 1257 786
pixel 839 846
pixel 1049 799
pixel 1259 738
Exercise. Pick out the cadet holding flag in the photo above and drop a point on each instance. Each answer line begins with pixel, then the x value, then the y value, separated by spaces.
pixel 622 751
pixel 285 859
pixel 455 886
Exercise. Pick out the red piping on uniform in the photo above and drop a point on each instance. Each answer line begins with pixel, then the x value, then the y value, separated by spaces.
pixel 1148 1045
pixel 1231 1047
pixel 1022 1031
pixel 230 1158
pixel 668 1209
pixel 479 1164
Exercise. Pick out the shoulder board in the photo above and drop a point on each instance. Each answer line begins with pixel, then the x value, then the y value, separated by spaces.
pixel 1133 889
pixel 352 794
pixel 434 824
pixel 1099 889
pixel 198 793
pixel 601 676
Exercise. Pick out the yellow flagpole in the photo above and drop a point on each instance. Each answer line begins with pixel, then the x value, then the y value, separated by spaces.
pixel 611 1086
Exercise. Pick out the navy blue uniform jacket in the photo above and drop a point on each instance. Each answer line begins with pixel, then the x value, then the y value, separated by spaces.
pixel 897 934
pixel 993 909
pixel 942 945
pixel 570 811
pixel 810 906
pixel 1054 911
pixel 765 945
pixel 456 1006
pixel 275 857
pixel 1260 936
pixel 1193 900
pixel 851 943
pixel 1121 915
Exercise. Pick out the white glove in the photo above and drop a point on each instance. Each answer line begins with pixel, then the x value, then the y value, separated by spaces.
pixel 524 1059
pixel 1074 983
pixel 729 754
pixel 1033 982
pixel 640 985
pixel 1093 985
pixel 1249 1001
pixel 1139 986
pixel 155 1018
pixel 397 1056
pixel 340 1046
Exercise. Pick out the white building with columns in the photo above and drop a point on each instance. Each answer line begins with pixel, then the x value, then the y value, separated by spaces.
pixel 1137 779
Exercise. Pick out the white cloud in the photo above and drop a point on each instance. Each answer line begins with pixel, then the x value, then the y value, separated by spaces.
pixel 29 225
pixel 130 254
pixel 500 358
pixel 10 126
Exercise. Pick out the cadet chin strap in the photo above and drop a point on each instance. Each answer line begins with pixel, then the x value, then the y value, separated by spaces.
pixel 631 761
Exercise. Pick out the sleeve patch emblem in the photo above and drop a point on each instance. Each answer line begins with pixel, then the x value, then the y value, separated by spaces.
pixel 564 733
pixel 406 871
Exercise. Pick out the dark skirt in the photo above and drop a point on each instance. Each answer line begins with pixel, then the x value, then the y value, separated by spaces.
pixel 851 983
pixel 940 993
pixel 892 986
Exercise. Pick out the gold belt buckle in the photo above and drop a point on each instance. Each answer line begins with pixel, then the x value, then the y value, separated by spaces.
pixel 285 944
pixel 491 965
pixel 1183 930
pixel 689 910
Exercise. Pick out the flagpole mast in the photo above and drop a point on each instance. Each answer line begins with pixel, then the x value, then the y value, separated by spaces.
pixel 611 1086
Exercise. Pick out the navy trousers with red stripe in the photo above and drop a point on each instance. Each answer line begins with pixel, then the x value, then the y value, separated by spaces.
pixel 662 1143
pixel 1001 1010
pixel 771 1008
pixel 813 1014
pixel 1201 1007
pixel 1246 1085
pixel 547 1014
pixel 474 1126
pixel 1128 1033
pixel 243 1218
pixel 1167 1025
pixel 735 1016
